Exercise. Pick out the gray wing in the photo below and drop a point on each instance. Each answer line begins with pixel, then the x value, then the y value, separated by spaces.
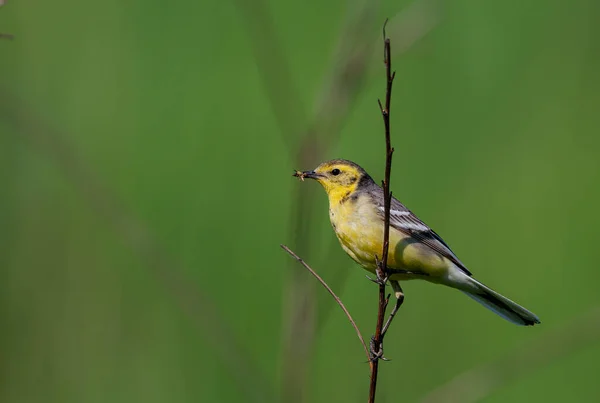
pixel 405 221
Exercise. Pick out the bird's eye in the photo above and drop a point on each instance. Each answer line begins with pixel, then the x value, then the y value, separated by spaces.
pixel 335 171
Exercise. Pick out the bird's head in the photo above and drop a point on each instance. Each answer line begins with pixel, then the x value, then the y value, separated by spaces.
pixel 339 177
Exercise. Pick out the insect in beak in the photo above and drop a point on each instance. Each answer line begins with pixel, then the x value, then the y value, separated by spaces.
pixel 306 174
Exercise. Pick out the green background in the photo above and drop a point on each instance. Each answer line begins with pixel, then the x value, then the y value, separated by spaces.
pixel 146 149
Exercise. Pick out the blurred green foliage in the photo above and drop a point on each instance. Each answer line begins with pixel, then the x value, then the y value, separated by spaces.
pixel 495 123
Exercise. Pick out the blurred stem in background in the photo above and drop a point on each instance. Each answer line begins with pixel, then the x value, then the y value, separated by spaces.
pixel 311 141
pixel 139 238
pixel 475 384
pixel 4 35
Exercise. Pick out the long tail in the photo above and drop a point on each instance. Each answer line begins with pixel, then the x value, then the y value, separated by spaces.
pixel 499 304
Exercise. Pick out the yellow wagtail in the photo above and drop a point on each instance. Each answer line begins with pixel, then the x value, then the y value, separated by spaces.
pixel 415 252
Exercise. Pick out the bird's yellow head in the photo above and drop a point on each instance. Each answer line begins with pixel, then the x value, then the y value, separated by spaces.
pixel 340 178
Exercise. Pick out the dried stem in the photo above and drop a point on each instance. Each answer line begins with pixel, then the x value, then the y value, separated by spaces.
pixel 377 340
pixel 337 299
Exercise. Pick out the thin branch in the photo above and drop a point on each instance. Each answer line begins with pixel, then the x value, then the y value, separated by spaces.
pixel 377 341
pixel 337 299
pixel 385 113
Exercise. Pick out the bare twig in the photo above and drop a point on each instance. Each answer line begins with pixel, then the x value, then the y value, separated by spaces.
pixel 483 380
pixel 377 341
pixel 337 299
pixel 385 113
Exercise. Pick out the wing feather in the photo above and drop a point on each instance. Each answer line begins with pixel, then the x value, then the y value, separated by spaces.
pixel 407 222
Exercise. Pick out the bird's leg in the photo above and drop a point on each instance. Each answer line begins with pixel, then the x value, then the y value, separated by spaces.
pixel 399 300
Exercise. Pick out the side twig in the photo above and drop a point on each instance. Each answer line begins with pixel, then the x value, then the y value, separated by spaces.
pixel 377 340
pixel 337 299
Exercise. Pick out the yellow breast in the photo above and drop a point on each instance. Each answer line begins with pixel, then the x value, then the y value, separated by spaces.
pixel 359 229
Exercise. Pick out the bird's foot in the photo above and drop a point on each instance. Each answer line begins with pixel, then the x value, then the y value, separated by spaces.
pixel 376 350
pixel 378 280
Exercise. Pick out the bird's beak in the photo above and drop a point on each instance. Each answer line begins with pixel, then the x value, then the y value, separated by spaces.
pixel 307 174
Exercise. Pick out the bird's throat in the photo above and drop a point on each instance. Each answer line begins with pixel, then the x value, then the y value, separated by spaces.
pixel 339 194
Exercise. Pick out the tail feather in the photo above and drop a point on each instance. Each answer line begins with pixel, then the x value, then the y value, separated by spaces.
pixel 500 305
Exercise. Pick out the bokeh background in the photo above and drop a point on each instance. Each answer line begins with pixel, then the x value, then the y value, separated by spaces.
pixel 146 149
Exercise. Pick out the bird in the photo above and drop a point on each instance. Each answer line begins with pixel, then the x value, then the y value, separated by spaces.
pixel 356 212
